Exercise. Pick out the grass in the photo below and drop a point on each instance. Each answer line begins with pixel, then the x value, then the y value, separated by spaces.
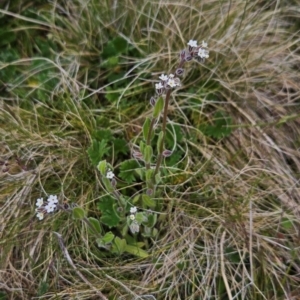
pixel 71 70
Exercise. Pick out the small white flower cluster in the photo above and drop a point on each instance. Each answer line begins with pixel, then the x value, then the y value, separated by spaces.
pixel 133 211
pixel 110 174
pixel 134 225
pixel 45 207
pixel 195 51
pixel 166 82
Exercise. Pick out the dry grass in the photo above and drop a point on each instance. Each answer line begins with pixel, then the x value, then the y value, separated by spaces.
pixel 231 228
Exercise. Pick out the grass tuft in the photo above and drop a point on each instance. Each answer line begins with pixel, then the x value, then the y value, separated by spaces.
pixel 75 71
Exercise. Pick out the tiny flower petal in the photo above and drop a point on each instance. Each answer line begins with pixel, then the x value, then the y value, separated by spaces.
pixel 50 207
pixel 133 210
pixel 204 44
pixel 163 77
pixel 192 43
pixel 171 76
pixel 39 202
pixel 132 217
pixel 52 199
pixel 177 81
pixel 40 216
pixel 134 227
pixel 203 53
pixel 110 175
pixel 172 83
pixel 159 86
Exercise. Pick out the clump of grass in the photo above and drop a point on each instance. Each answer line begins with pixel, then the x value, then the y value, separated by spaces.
pixel 75 72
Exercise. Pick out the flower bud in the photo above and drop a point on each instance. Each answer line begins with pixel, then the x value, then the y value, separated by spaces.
pixel 137 154
pixel 149 192
pixel 182 55
pixel 188 58
pixel 152 101
pixel 179 71
pixel 167 153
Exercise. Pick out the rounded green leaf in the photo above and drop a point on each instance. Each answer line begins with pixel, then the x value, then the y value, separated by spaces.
pixel 146 128
pixel 148 154
pixel 147 201
pixel 134 250
pixel 119 245
pixel 95 224
pixel 102 167
pixel 159 141
pixel 159 105
pixel 108 238
pixel 78 213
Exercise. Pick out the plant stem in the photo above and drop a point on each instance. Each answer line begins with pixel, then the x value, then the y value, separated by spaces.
pixel 164 125
pixel 148 142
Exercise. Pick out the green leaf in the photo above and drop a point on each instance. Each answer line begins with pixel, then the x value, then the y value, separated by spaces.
pixel 142 147
pixel 109 50
pixel 120 146
pixel 134 250
pixel 220 127
pixel 42 289
pixel 97 150
pixel 152 218
pixel 159 141
pixel 287 223
pixel 148 154
pixel 173 134
pixel 157 178
pixel 107 184
pixel 109 216
pixel 127 170
pixel 149 174
pixel 119 245
pixel 146 128
pixel 108 237
pixel 78 213
pixel 154 232
pixel 102 166
pixel 102 134
pixel 120 45
pixel 96 224
pixel 111 95
pixel 147 201
pixel 140 217
pixel 159 105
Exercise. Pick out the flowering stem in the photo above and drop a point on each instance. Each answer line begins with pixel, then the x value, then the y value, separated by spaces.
pixel 164 125
pixel 148 142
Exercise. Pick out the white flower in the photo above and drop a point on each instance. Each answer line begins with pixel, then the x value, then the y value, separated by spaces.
pixel 110 175
pixel 52 199
pixel 204 44
pixel 39 202
pixel 159 86
pixel 40 216
pixel 133 210
pixel 171 76
pixel 203 53
pixel 172 83
pixel 163 77
pixel 50 207
pixel 132 217
pixel 192 43
pixel 134 227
